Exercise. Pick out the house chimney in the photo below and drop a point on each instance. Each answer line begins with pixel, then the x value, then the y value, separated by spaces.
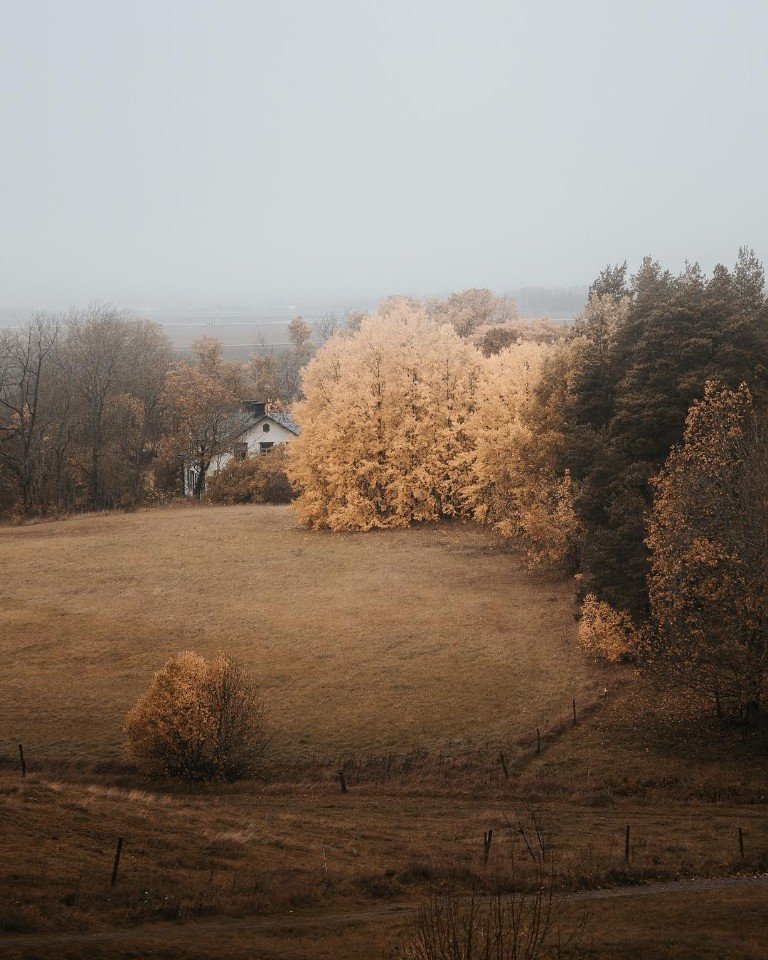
pixel 256 407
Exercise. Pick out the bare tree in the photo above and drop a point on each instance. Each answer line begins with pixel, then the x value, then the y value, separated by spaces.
pixel 150 360
pixel 61 415
pixel 25 361
pixel 326 327
pixel 97 345
pixel 116 367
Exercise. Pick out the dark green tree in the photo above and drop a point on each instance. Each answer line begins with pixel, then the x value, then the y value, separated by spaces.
pixel 629 391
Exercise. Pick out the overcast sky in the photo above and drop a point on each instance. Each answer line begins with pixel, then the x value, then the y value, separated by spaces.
pixel 176 152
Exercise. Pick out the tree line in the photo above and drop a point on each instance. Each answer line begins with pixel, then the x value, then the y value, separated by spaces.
pixel 629 449
pixel 97 412
pixel 80 405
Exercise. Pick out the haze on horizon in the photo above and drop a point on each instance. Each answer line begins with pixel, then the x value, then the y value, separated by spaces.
pixel 183 152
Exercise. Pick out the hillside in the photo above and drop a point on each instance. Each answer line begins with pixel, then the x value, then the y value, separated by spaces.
pixel 412 657
pixel 428 638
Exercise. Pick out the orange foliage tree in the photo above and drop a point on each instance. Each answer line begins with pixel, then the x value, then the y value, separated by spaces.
pixel 199 720
pixel 201 398
pixel 384 439
pixel 515 484
pixel 708 538
pixel 605 632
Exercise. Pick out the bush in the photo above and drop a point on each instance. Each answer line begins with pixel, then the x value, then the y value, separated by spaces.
pixel 606 632
pixel 200 720
pixel 259 479
pixel 527 922
pixel 452 927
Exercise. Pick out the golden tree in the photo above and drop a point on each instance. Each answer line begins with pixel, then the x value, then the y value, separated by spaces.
pixel 199 720
pixel 516 484
pixel 605 632
pixel 708 539
pixel 384 438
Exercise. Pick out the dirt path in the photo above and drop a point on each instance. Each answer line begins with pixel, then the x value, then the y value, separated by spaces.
pixel 178 933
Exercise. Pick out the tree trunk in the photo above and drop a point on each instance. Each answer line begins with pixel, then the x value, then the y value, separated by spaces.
pixel 200 483
pixel 26 494
pixel 94 476
pixel 59 472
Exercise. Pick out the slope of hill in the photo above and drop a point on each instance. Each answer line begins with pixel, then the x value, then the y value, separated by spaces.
pixel 434 638
pixel 412 657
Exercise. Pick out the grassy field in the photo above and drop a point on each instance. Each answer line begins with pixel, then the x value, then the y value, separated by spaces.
pixel 413 658
pixel 432 638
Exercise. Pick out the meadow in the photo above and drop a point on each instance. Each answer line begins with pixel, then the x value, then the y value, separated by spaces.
pixel 435 638
pixel 411 658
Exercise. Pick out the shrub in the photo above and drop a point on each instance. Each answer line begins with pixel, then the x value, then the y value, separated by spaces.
pixel 452 927
pixel 606 632
pixel 259 479
pixel 528 922
pixel 200 720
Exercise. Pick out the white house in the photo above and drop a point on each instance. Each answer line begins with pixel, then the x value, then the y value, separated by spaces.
pixel 254 430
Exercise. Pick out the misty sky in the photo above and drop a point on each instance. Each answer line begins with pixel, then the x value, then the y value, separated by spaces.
pixel 171 152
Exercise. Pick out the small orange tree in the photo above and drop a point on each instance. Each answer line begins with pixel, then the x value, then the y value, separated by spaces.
pixel 606 632
pixel 200 720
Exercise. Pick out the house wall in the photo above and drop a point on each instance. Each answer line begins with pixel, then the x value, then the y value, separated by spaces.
pixel 253 437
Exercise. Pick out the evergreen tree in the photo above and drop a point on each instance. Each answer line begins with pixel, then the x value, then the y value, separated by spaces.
pixel 629 393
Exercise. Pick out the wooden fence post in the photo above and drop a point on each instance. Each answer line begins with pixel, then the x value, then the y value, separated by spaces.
pixel 538 740
pixel 342 781
pixel 23 762
pixel 504 767
pixel 117 861
pixel 574 711
pixel 741 843
pixel 626 845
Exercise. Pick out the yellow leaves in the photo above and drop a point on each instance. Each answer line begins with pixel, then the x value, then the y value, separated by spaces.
pixel 383 427
pixel 707 575
pixel 606 632
pixel 405 422
pixel 199 720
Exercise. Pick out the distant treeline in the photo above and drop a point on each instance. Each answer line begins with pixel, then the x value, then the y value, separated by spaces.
pixel 97 411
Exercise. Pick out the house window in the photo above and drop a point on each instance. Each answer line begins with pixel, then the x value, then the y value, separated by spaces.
pixel 240 451
pixel 265 428
pixel 266 445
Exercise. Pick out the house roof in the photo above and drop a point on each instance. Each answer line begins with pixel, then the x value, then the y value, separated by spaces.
pixel 245 420
pixel 284 419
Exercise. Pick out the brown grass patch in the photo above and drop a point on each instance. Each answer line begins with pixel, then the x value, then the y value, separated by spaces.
pixel 388 641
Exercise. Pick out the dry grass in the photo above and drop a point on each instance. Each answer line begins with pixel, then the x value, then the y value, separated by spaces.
pixel 413 656
pixel 246 851
pixel 392 641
